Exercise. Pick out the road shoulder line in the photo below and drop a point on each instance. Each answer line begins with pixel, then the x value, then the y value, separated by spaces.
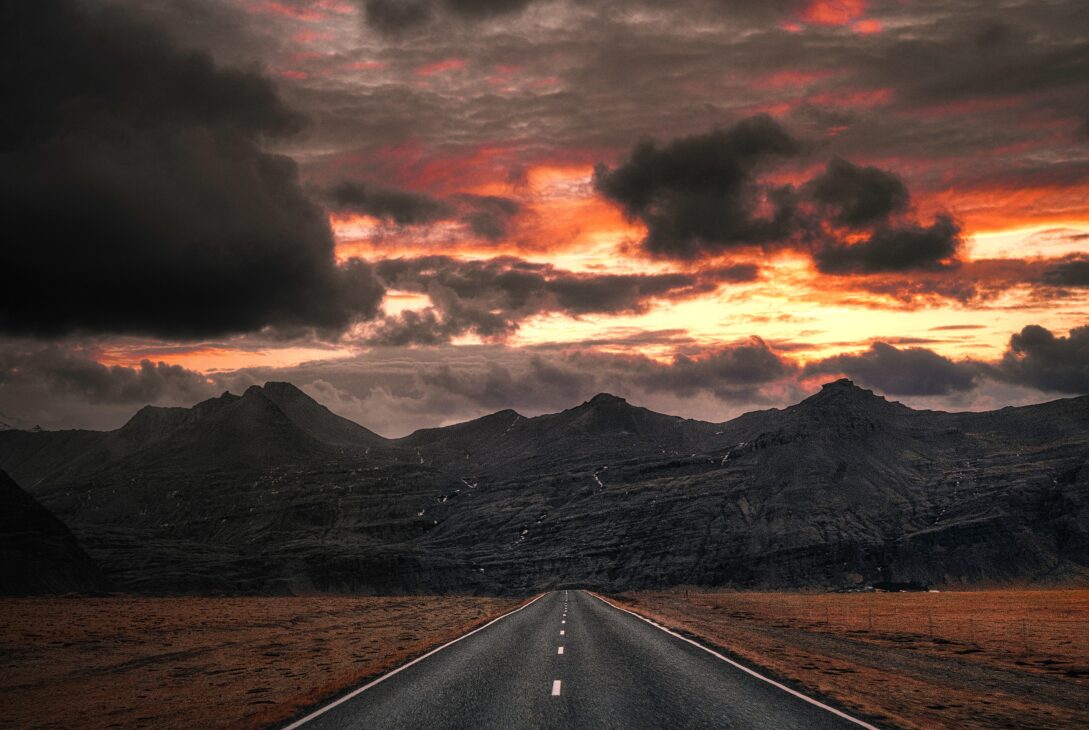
pixel 359 690
pixel 742 667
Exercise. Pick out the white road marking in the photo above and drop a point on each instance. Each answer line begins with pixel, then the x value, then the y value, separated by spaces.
pixel 563 622
pixel 555 688
pixel 561 632
pixel 322 710
pixel 743 668
pixel 560 651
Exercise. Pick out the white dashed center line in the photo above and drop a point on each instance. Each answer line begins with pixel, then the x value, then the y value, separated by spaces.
pixel 555 688
pixel 560 650
pixel 561 632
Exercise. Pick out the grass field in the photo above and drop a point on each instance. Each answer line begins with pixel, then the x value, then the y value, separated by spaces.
pixel 985 659
pixel 206 662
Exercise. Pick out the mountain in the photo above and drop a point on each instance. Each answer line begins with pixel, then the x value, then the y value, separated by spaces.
pixel 37 552
pixel 506 443
pixel 274 424
pixel 269 492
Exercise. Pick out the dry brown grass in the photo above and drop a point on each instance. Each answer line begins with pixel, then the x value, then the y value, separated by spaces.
pixel 207 662
pixel 987 659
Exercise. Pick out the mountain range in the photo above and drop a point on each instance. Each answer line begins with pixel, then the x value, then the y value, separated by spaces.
pixel 270 492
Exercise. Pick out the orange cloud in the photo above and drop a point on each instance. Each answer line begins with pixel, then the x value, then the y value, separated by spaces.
pixel 867 26
pixel 834 12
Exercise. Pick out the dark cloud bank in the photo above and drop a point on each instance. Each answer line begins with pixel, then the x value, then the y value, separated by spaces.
pixel 136 193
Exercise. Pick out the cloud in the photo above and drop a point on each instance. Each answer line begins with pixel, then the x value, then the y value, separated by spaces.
pixel 136 194
pixel 62 385
pixel 856 196
pixel 397 206
pixel 488 217
pixel 396 390
pixel 491 297
pixel 911 371
pixel 726 372
pixel 700 194
pixel 1038 358
pixel 393 17
pixel 895 248
pixel 1071 271
pixel 396 16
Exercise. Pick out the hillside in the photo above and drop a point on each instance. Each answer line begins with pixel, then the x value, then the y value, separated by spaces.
pixel 37 552
pixel 270 492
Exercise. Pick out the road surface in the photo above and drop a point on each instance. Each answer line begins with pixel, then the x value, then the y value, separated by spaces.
pixel 571 660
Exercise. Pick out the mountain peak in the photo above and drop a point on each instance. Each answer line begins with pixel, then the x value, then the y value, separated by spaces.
pixel 606 399
pixel 284 390
pixel 844 384
pixel 844 396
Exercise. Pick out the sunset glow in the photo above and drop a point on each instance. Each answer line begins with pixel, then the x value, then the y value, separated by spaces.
pixel 520 190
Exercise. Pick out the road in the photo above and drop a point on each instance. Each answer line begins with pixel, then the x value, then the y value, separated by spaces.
pixel 571 660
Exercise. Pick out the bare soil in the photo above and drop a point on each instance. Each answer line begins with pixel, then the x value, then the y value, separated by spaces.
pixel 207 662
pixel 986 659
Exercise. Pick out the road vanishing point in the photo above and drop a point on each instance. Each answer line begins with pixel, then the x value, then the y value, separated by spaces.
pixel 569 659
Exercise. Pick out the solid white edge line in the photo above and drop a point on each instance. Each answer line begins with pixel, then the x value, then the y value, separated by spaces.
pixel 355 692
pixel 742 667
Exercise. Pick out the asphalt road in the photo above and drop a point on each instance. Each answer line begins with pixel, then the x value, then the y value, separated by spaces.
pixel 570 660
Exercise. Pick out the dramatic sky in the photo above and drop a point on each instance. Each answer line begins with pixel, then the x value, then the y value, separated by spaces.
pixel 422 211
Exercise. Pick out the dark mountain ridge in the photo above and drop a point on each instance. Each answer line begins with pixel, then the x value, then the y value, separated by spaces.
pixel 270 492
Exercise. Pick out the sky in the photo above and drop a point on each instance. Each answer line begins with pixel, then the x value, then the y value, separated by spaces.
pixel 424 211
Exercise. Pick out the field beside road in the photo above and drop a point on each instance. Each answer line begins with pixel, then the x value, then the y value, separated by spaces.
pixel 207 662
pixel 982 659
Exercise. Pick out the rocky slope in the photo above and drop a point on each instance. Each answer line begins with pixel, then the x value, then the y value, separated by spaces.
pixel 37 552
pixel 270 492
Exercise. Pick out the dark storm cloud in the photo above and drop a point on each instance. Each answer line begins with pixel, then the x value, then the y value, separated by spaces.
pixel 491 297
pixel 136 197
pixel 701 194
pixel 1039 358
pixel 856 196
pixel 895 248
pixel 913 371
pixel 399 206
